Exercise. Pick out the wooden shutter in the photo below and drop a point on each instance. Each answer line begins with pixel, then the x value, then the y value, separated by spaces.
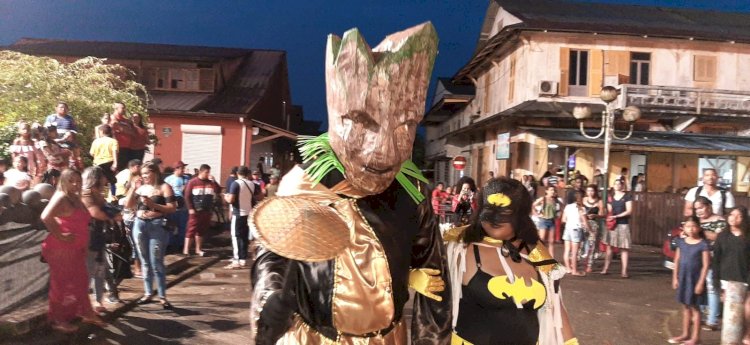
pixel 148 78
pixel 207 79
pixel 512 78
pixel 486 96
pixel 564 71
pixel 617 64
pixel 596 72
pixel 704 68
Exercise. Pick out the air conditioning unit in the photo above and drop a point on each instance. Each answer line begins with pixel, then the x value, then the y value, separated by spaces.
pixel 548 88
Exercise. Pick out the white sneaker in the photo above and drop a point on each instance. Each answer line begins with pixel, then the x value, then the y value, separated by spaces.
pixel 233 266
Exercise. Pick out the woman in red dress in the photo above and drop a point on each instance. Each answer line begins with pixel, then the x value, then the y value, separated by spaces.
pixel 66 249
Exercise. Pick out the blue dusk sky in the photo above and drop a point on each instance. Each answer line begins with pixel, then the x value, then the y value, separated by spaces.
pixel 298 27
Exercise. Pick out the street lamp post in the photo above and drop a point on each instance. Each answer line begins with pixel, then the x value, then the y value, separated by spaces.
pixel 629 114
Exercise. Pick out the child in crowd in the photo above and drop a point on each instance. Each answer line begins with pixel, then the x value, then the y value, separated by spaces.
pixel 18 176
pixel 692 259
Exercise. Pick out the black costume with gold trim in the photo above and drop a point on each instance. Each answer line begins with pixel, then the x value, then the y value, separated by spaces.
pixel 359 297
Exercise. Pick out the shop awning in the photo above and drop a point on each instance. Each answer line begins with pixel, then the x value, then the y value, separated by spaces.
pixel 649 141
pixel 275 132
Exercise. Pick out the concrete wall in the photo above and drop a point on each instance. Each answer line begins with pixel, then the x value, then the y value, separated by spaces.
pixel 169 147
pixel 22 276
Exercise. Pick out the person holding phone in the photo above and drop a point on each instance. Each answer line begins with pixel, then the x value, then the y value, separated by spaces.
pixel 153 200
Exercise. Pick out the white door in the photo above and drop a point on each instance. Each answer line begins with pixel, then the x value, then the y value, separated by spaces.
pixel 202 145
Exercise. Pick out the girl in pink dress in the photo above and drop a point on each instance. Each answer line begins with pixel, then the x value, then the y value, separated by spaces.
pixel 65 249
pixel 24 146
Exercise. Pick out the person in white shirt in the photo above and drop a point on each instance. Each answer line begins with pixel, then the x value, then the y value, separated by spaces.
pixel 575 225
pixel 18 176
pixel 241 197
pixel 721 200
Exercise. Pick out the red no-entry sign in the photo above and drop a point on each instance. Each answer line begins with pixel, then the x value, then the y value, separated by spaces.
pixel 459 163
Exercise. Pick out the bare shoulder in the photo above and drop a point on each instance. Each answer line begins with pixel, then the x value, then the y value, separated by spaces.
pixel 166 189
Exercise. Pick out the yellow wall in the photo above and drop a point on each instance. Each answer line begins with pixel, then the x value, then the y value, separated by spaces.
pixel 743 175
pixel 585 162
pixel 617 161
pixel 685 170
pixel 659 171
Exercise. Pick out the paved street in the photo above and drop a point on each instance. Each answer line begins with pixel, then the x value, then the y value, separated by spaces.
pixel 211 308
pixel 640 310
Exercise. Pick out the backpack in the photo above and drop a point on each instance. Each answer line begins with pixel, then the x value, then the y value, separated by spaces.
pixel 255 189
pixel 723 197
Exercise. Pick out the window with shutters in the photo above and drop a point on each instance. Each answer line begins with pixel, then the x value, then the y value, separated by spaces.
pixel 179 79
pixel 704 68
pixel 512 78
pixel 640 64
pixel 578 69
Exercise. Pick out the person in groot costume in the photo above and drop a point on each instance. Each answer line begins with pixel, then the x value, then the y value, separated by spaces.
pixel 351 230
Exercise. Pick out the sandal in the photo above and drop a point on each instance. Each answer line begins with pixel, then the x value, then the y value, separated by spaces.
pixel 604 273
pixel 146 299
pixel 165 304
pixel 100 309
pixel 624 276
pixel 64 328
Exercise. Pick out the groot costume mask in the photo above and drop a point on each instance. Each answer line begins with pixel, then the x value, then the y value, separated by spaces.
pixel 375 102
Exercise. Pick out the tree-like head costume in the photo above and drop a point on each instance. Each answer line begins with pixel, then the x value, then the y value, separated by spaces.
pixel 375 101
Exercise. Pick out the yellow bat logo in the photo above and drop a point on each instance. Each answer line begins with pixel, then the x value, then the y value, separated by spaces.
pixel 501 288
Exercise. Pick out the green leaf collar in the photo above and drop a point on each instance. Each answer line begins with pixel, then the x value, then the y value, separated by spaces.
pixel 318 151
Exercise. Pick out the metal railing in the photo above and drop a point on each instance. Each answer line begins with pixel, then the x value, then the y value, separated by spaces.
pixel 685 100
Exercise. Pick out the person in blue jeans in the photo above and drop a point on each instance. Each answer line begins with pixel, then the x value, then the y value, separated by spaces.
pixel 153 200
pixel 178 180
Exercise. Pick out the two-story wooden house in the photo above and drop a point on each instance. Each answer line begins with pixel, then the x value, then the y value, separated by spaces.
pixel 509 109
pixel 219 106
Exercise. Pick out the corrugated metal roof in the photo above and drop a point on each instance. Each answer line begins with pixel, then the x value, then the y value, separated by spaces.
pixel 125 50
pixel 630 19
pixel 185 101
pixel 244 89
pixel 248 85
pixel 616 19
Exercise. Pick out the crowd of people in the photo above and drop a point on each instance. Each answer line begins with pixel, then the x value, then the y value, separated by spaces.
pixel 582 216
pixel 117 218
pixel 712 262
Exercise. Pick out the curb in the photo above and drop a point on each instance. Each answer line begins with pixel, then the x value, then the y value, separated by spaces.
pixel 181 268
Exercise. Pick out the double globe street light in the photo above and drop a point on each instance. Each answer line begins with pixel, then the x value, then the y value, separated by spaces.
pixel 630 114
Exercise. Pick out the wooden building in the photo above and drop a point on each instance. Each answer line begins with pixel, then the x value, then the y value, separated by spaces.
pixel 220 106
pixel 509 109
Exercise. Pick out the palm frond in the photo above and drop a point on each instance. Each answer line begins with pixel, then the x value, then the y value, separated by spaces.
pixel 318 151
pixel 409 169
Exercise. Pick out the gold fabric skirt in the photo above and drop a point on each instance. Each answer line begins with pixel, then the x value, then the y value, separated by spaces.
pixel 302 334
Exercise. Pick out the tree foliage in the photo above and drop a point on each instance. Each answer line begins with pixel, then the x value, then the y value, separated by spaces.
pixel 31 86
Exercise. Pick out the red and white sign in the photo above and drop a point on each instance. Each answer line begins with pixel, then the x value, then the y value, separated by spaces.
pixel 459 163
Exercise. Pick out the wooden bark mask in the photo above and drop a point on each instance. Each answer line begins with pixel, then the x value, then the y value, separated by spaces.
pixel 376 99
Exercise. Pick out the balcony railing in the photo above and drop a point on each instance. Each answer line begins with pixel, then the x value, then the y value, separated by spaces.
pixel 686 100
